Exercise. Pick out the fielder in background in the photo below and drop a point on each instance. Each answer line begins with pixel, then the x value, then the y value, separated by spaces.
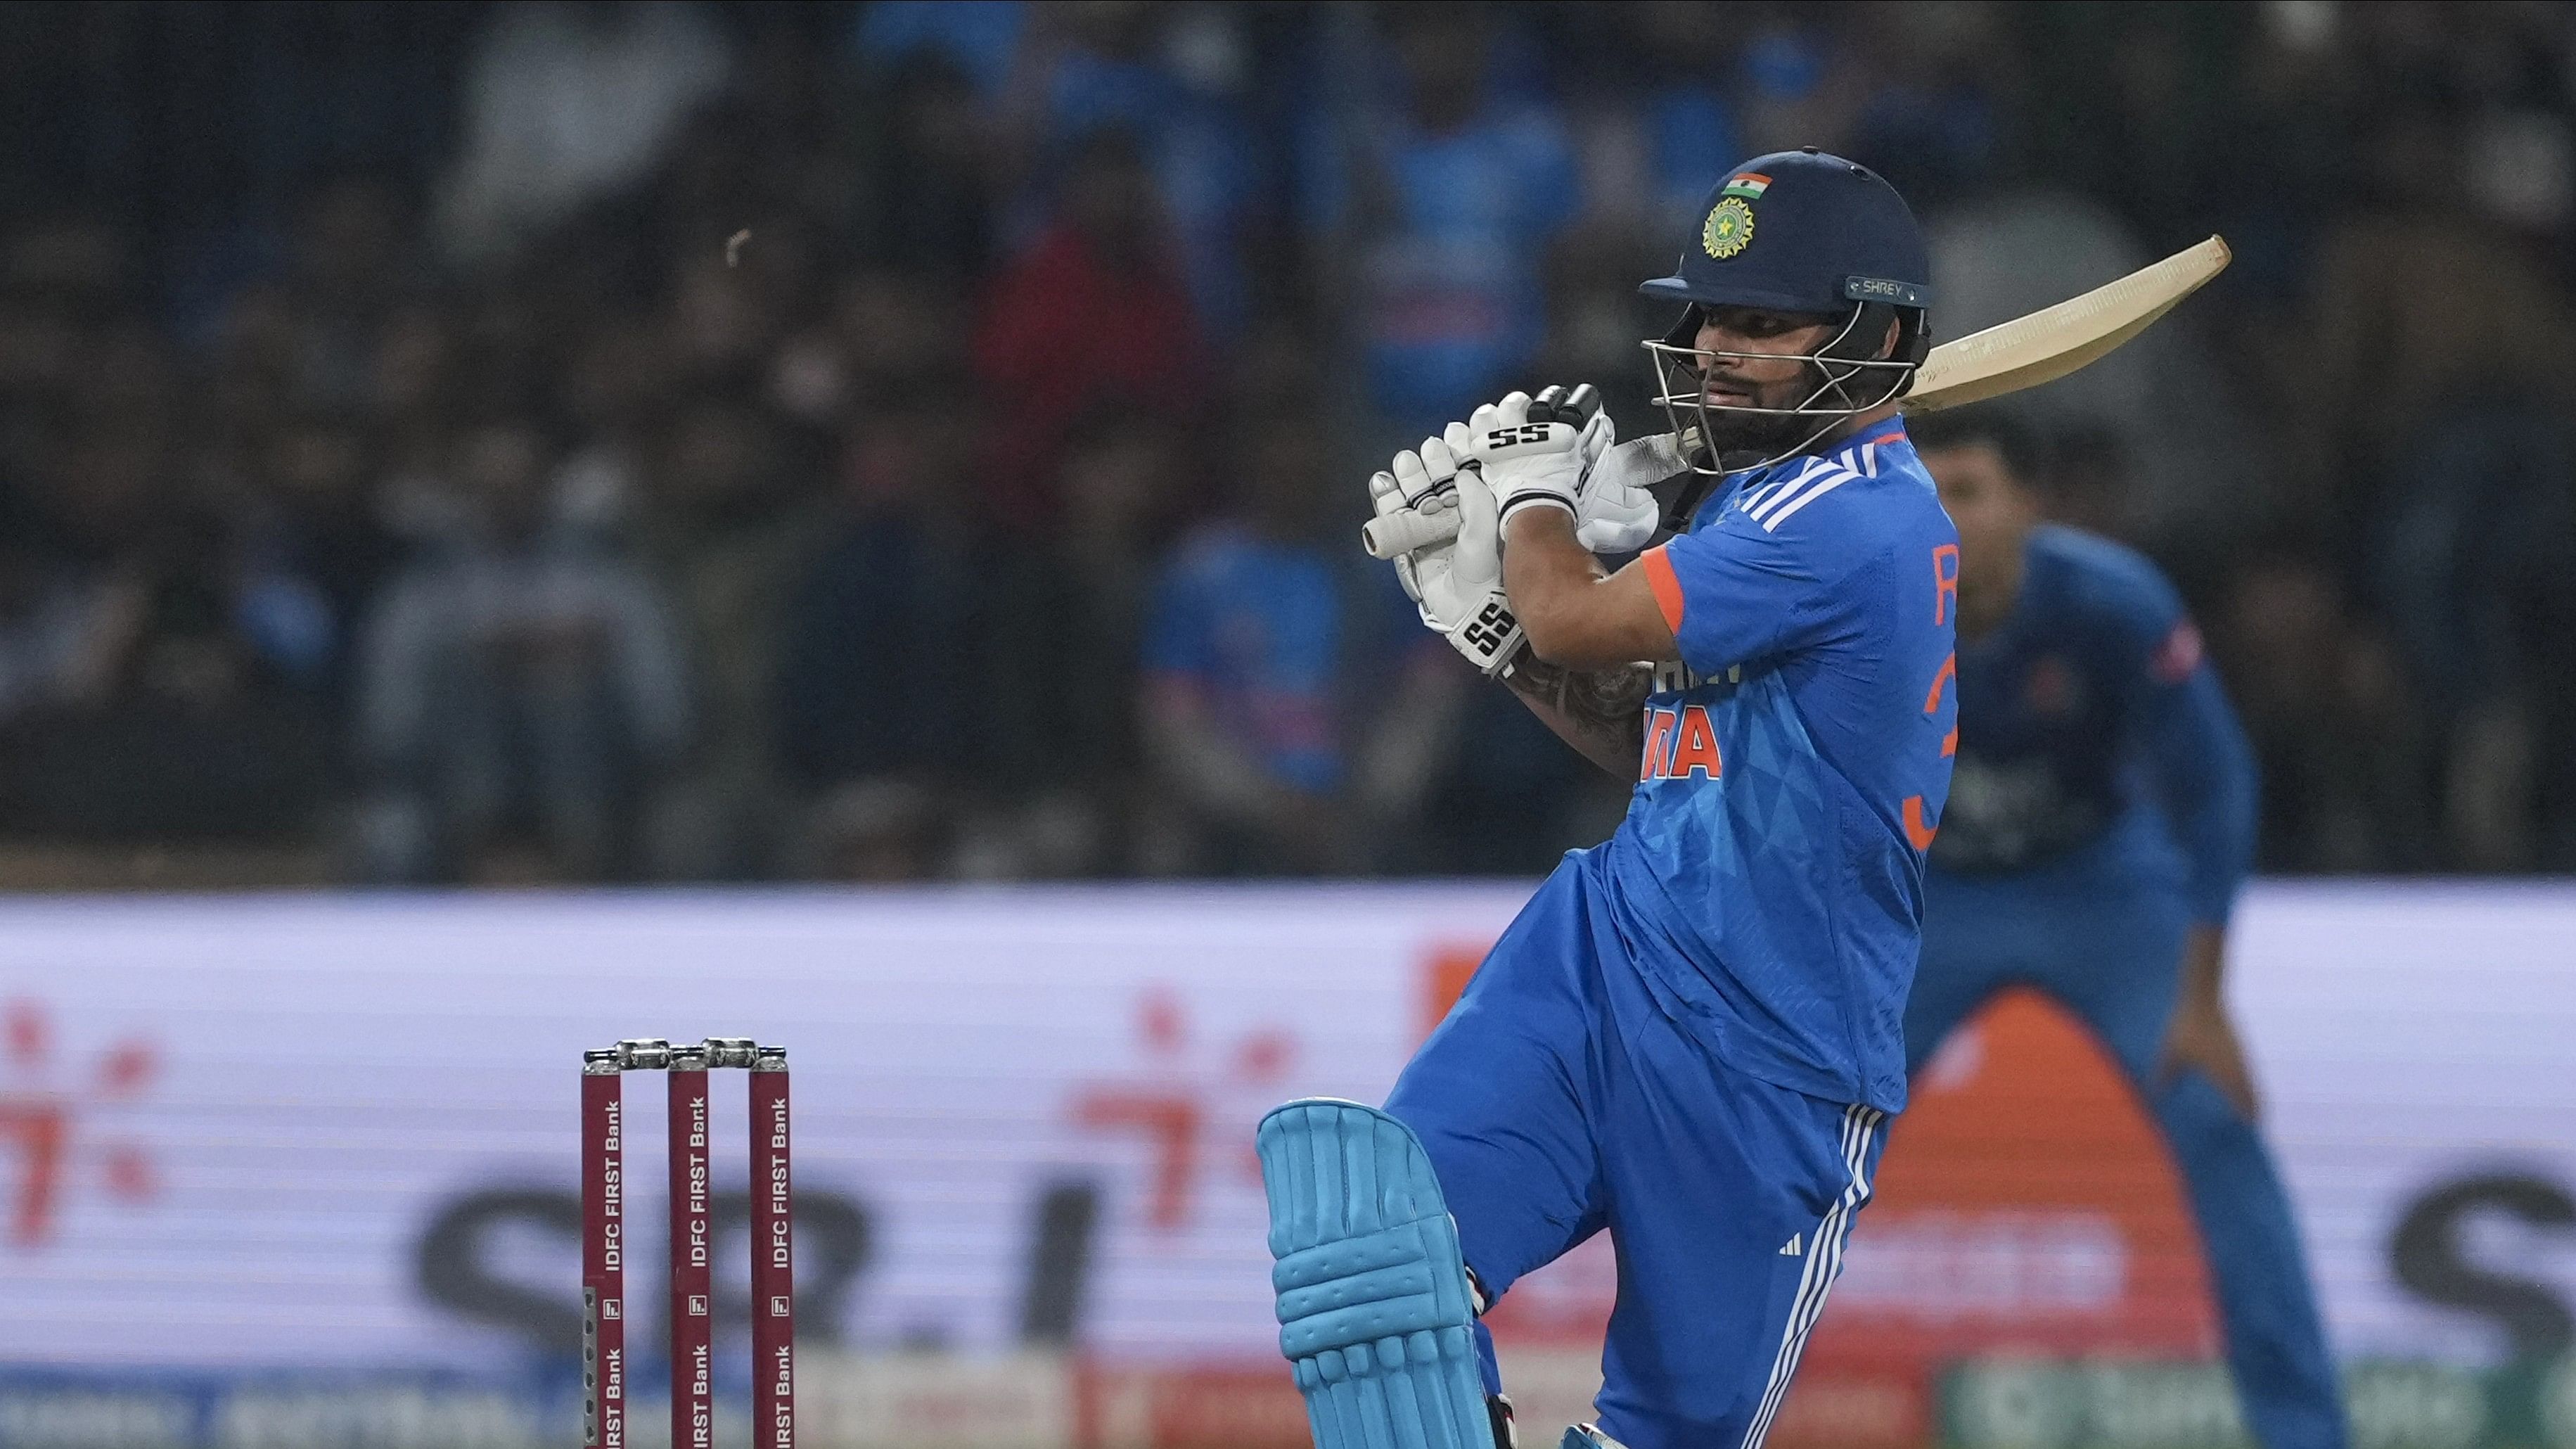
pixel 1691 1036
pixel 2100 821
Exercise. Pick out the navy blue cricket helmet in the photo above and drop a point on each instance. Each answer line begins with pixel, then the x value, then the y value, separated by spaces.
pixel 1803 231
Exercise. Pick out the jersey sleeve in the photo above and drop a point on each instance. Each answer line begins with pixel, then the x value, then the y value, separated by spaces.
pixel 1733 592
pixel 2196 754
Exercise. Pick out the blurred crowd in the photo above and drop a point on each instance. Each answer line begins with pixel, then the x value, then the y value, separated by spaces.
pixel 925 440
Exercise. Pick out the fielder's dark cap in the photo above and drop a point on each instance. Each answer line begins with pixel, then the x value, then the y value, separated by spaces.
pixel 1802 231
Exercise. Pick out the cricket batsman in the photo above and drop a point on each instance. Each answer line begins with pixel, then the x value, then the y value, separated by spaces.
pixel 1692 1036
pixel 2101 820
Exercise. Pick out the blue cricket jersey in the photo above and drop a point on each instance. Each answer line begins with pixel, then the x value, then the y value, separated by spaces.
pixel 2089 716
pixel 1796 765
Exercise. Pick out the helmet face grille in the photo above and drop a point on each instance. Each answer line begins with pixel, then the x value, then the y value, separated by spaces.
pixel 1842 387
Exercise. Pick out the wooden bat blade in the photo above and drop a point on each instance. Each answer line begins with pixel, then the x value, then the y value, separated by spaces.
pixel 2054 341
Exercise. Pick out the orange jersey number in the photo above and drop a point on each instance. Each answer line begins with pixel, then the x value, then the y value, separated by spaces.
pixel 1945 599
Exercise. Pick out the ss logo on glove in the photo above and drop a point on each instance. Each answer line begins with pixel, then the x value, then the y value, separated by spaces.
pixel 1525 433
pixel 1492 627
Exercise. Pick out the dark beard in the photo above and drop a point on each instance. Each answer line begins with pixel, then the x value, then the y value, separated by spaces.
pixel 1754 436
pixel 1744 439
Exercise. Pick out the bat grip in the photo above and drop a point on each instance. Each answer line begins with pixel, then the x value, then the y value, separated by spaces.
pixel 1391 534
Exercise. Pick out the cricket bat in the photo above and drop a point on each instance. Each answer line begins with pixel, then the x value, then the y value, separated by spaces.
pixel 2054 341
pixel 2025 352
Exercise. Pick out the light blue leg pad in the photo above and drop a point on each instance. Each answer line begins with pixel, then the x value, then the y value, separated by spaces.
pixel 1374 1309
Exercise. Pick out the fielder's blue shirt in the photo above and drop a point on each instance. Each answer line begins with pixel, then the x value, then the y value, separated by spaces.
pixel 2088 718
pixel 1796 765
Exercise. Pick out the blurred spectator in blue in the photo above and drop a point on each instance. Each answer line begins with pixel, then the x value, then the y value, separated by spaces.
pixel 1440 193
pixel 564 103
pixel 885 642
pixel 1094 314
pixel 1165 80
pixel 1929 121
pixel 2477 554
pixel 1672 86
pixel 522 679
pixel 980 39
pixel 1268 651
pixel 1797 82
pixel 315 549
pixel 935 77
pixel 954 695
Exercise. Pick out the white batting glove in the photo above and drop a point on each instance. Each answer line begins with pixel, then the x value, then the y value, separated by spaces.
pixel 1414 507
pixel 1615 513
pixel 1456 582
pixel 1531 456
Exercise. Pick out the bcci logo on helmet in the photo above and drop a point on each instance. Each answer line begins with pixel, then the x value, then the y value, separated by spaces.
pixel 1728 230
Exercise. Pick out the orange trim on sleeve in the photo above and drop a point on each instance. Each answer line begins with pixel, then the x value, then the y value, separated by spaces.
pixel 1668 589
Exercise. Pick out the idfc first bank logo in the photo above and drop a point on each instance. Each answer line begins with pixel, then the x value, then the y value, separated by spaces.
pixel 58 1130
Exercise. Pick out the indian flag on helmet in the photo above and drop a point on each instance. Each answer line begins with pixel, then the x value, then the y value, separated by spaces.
pixel 1749 185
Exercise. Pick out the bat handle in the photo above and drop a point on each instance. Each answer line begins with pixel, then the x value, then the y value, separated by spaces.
pixel 1391 534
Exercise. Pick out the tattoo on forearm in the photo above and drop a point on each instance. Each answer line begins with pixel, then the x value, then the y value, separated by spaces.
pixel 1603 705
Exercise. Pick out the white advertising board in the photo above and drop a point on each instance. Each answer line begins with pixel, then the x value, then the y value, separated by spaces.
pixel 338 1133
pixel 301 1132
pixel 2416 1045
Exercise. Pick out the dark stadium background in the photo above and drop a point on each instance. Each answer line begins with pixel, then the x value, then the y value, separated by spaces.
pixel 863 536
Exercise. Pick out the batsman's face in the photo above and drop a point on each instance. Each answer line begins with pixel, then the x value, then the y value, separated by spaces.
pixel 1774 374
pixel 1991 509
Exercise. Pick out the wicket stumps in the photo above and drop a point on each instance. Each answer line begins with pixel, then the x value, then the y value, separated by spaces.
pixel 604 1362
